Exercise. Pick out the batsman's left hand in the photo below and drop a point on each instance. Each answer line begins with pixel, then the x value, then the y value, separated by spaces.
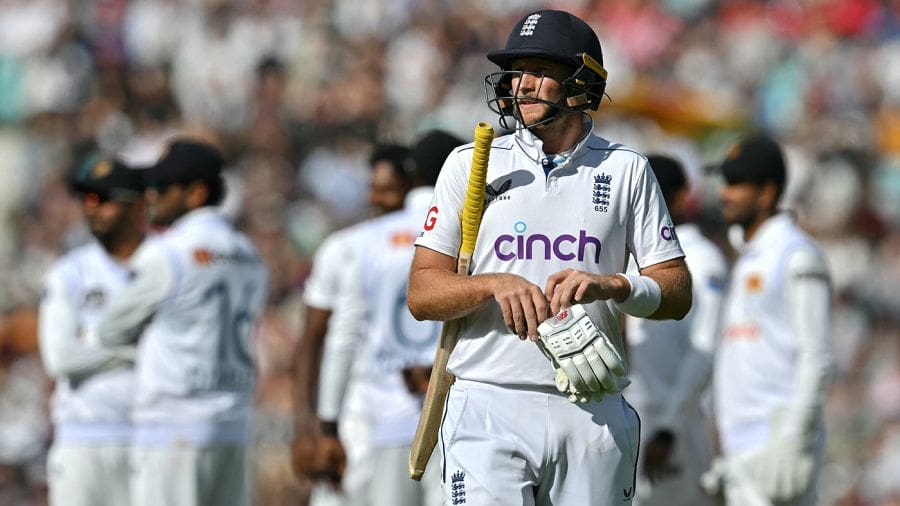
pixel 588 364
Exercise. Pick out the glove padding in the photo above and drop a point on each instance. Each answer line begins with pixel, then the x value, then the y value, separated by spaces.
pixel 782 469
pixel 588 366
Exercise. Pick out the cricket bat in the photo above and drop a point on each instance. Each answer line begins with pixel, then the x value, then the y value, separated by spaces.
pixel 433 407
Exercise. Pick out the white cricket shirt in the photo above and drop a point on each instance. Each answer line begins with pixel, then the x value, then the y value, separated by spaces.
pixel 670 361
pixel 324 285
pixel 589 213
pixel 328 288
pixel 387 338
pixel 94 386
pixel 394 339
pixel 774 353
pixel 198 288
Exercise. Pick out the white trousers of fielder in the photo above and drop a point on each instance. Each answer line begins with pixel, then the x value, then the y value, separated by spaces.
pixel 89 474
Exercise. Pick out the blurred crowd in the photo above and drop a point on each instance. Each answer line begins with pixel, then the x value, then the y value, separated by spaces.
pixel 297 92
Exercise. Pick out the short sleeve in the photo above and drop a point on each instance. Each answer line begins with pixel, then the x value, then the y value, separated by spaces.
pixel 324 282
pixel 651 232
pixel 441 230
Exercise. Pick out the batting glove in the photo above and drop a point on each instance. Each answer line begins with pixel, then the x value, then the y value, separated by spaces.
pixel 783 468
pixel 588 366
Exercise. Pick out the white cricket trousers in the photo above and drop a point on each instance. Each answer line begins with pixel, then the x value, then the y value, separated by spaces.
pixel 391 484
pixel 184 475
pixel 689 460
pixel 90 474
pixel 531 446
pixel 353 432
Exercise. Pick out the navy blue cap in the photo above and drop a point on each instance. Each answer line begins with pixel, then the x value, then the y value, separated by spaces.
pixel 108 177
pixel 186 161
pixel 429 153
pixel 552 34
pixel 669 174
pixel 755 159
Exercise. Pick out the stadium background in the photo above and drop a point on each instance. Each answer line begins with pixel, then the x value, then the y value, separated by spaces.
pixel 296 92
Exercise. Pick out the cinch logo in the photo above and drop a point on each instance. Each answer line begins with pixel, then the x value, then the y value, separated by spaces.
pixel 668 233
pixel 563 247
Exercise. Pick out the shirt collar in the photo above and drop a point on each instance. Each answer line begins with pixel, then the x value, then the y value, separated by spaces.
pixel 199 214
pixel 533 146
pixel 769 230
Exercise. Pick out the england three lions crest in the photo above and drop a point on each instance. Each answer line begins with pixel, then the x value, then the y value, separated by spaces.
pixel 600 192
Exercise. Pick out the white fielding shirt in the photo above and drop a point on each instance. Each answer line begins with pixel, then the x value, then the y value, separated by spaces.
pixel 328 288
pixel 197 291
pixel 775 355
pixel 588 213
pixel 94 386
pixel 386 338
pixel 670 361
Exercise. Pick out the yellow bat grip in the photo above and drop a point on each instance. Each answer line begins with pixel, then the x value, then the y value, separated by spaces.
pixel 471 216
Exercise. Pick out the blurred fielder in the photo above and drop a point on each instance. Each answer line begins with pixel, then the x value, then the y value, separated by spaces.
pixel 388 353
pixel 195 293
pixel 774 361
pixel 318 451
pixel 670 364
pixel 91 406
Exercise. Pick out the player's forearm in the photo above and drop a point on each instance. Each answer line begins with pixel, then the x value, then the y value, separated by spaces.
pixel 809 299
pixel 345 337
pixel 438 294
pixel 64 354
pixel 307 356
pixel 674 281
pixel 696 366
pixel 62 351
pixel 133 307
pixel 334 374
pixel 684 394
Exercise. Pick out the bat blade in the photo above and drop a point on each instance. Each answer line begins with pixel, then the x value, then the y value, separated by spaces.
pixel 429 426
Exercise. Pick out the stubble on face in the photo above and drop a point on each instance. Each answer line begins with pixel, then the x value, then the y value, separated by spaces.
pixel 540 79
pixel 387 190
pixel 166 206
pixel 739 204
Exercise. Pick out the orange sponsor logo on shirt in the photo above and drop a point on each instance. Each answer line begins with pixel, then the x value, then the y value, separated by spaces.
pixel 741 332
pixel 203 256
pixel 754 283
pixel 402 239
